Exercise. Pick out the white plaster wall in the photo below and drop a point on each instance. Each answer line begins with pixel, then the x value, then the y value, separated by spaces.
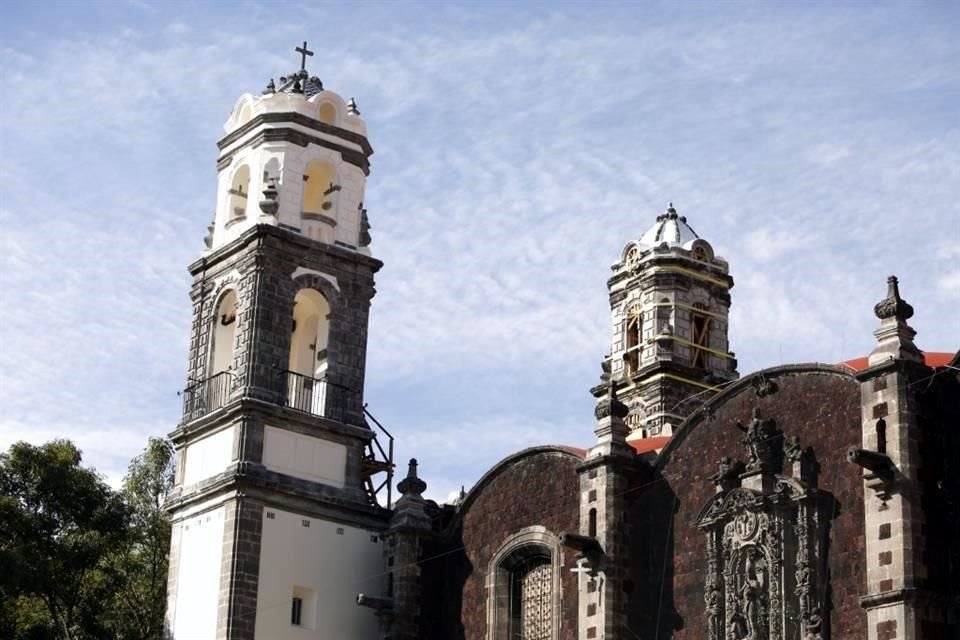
pixel 335 566
pixel 304 456
pixel 198 577
pixel 208 456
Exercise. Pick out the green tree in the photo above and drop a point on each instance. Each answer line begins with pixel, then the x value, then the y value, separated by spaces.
pixel 141 566
pixel 59 524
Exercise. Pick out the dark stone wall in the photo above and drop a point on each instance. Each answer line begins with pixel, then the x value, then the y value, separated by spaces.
pixel 265 258
pixel 938 402
pixel 822 407
pixel 534 488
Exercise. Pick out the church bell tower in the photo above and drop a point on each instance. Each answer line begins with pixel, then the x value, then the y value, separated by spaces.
pixel 669 302
pixel 276 523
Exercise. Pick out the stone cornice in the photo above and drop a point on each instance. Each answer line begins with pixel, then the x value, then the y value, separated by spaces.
pixel 247 237
pixel 298 119
pixel 300 138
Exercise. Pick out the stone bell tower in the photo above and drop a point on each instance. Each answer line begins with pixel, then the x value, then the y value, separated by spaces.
pixel 669 302
pixel 276 524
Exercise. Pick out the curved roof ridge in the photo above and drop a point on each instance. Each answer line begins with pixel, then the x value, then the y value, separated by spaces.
pixel 503 463
pixel 697 416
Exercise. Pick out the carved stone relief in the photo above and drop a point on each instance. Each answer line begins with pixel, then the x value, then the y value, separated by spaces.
pixel 764 546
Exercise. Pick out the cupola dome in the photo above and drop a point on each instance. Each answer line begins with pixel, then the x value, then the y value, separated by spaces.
pixel 670 229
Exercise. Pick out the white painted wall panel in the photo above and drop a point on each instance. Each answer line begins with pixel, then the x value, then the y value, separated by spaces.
pixel 315 558
pixel 198 577
pixel 304 456
pixel 208 456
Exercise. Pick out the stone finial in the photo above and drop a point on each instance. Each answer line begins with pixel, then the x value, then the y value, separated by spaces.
pixel 412 485
pixel 893 306
pixel 352 108
pixel 269 204
pixel 609 405
pixel 894 336
pixel 365 238
pixel 208 239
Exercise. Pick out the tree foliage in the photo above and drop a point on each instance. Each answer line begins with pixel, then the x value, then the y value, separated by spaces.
pixel 142 567
pixel 77 559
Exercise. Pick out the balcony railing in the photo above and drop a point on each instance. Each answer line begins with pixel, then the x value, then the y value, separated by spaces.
pixel 315 396
pixel 202 397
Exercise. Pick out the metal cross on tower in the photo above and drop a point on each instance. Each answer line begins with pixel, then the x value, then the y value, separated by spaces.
pixel 304 52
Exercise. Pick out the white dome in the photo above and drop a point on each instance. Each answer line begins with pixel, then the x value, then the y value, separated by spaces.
pixel 670 229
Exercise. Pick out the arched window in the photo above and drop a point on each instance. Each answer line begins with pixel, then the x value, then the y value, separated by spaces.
pixel 881 436
pixel 592 524
pixel 318 187
pixel 634 332
pixel 531 587
pixel 700 326
pixel 524 594
pixel 307 365
pixel 224 333
pixel 239 190
pixel 664 310
pixel 327 113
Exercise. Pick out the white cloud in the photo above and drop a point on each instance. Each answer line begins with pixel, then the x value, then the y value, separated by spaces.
pixel 827 154
pixel 949 284
pixel 514 159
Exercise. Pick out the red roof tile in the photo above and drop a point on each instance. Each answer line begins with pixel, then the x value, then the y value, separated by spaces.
pixel 932 359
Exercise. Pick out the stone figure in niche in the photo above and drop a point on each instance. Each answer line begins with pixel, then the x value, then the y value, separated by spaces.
pixel 750 619
pixel 762 441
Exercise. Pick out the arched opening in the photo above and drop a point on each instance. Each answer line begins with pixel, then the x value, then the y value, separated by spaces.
pixel 523 595
pixel 592 524
pixel 881 436
pixel 224 334
pixel 327 113
pixel 318 187
pixel 306 387
pixel 244 115
pixel 634 329
pixel 700 326
pixel 664 310
pixel 239 190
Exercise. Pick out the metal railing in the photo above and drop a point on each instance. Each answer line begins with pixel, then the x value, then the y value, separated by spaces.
pixel 315 396
pixel 204 396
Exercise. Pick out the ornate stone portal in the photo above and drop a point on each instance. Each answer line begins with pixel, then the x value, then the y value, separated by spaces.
pixel 766 533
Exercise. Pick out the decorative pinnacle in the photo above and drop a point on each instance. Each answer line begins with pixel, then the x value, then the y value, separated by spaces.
pixel 610 405
pixel 412 485
pixel 669 214
pixel 352 108
pixel 893 306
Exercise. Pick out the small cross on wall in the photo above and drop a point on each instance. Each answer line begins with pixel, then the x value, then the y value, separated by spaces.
pixel 304 52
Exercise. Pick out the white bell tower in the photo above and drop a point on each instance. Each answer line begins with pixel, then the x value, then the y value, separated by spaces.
pixel 276 516
pixel 297 157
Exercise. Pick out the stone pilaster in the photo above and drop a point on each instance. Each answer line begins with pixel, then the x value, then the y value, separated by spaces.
pixel 605 478
pixel 404 538
pixel 895 541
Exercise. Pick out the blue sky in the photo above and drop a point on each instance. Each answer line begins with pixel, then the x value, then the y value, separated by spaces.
pixel 518 147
